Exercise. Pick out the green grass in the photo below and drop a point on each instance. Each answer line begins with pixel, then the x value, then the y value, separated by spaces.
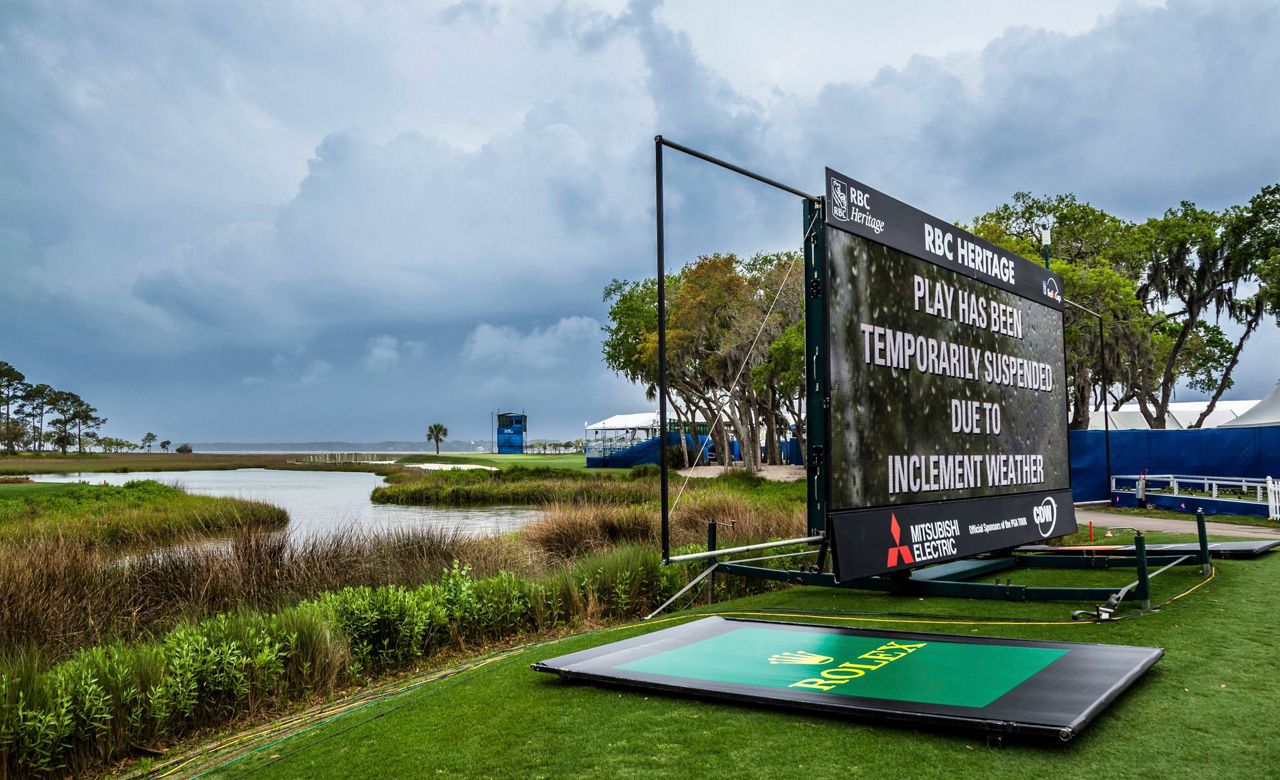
pixel 1205 709
pixel 135 513
pixel 572 462
pixel 8 491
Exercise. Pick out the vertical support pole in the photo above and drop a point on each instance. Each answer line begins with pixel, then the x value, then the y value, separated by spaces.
pixel 815 364
pixel 1203 533
pixel 711 545
pixel 1143 591
pixel 1106 383
pixel 662 352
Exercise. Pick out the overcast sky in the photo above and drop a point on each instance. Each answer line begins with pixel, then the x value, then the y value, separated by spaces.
pixel 335 220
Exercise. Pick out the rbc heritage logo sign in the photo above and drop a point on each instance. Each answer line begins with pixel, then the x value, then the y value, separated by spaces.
pixel 850 204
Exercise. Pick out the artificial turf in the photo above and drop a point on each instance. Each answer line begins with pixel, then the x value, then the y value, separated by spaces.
pixel 1207 709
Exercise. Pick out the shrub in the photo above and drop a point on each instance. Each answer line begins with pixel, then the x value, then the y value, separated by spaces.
pixel 388 626
pixel 645 471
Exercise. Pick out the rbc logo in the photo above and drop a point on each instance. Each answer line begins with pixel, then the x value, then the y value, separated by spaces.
pixel 839 200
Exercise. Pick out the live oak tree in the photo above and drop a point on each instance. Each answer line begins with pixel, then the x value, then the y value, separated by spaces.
pixel 1163 287
pixel 725 316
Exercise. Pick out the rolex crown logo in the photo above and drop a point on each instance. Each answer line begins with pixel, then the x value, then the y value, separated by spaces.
pixel 800 657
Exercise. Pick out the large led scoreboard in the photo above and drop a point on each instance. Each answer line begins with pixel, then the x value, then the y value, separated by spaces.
pixel 945 402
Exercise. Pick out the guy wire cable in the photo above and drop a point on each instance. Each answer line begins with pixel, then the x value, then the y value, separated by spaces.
pixel 764 321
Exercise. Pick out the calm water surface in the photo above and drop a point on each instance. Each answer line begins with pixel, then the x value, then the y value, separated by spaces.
pixel 319 502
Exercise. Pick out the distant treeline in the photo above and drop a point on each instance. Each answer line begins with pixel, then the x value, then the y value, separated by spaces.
pixel 36 417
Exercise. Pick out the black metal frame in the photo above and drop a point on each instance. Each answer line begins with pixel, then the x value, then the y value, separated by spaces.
pixel 660 218
pixel 948 579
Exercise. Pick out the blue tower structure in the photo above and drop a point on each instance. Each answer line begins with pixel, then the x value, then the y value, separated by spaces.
pixel 512 428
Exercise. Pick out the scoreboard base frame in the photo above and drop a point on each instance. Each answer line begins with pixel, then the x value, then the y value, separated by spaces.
pixel 954 579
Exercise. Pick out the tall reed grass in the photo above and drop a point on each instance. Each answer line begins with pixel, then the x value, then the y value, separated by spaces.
pixel 566 531
pixel 107 702
pixel 61 596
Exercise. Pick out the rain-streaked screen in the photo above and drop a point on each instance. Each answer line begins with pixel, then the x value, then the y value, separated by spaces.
pixel 942 387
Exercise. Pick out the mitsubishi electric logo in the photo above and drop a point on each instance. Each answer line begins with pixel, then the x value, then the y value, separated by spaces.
pixel 1046 516
pixel 897 548
pixel 800 657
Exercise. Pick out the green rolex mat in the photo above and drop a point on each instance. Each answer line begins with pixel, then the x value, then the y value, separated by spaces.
pixel 1000 686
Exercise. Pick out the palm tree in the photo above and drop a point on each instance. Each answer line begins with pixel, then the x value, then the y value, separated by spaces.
pixel 436 433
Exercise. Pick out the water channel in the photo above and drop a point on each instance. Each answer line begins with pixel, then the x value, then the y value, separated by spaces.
pixel 320 502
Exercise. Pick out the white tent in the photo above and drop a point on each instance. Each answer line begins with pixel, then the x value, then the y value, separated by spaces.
pixel 622 422
pixel 620 432
pixel 1181 415
pixel 1265 412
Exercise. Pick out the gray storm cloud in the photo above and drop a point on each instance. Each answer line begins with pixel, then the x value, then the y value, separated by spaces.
pixel 189 192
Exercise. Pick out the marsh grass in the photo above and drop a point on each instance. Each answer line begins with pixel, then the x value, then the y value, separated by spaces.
pixel 61 596
pixel 513 486
pixel 101 654
pixel 549 486
pixel 102 703
pixel 136 513
pixel 565 531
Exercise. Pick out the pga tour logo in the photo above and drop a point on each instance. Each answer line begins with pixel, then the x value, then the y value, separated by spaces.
pixel 843 196
pixel 1046 516
pixel 1050 288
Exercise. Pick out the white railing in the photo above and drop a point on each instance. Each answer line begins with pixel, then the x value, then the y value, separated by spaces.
pixel 1254 490
pixel 348 457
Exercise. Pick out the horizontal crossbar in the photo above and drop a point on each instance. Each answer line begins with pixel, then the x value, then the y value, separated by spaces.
pixel 745 548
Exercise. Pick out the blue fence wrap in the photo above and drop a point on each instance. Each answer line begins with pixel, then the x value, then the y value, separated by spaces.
pixel 1216 452
pixel 647 452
